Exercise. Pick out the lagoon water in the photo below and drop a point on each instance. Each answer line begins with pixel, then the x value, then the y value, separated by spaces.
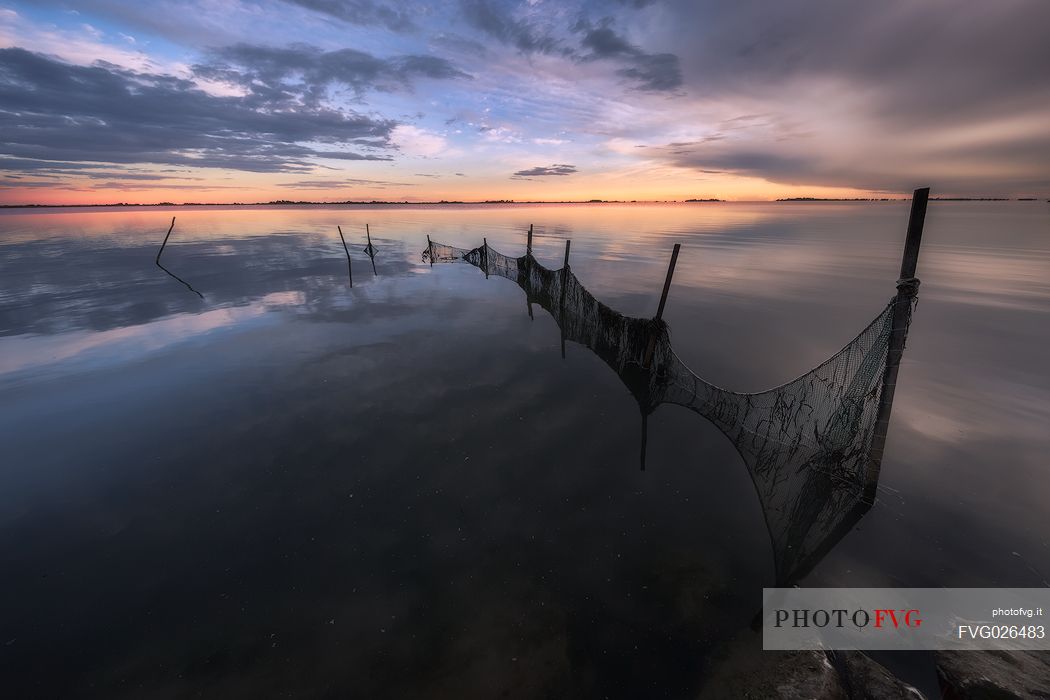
pixel 295 487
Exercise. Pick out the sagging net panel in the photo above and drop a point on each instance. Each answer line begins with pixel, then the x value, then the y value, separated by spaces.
pixel 806 443
pixel 439 252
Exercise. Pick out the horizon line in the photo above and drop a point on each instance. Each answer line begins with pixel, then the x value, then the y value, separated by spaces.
pixel 286 202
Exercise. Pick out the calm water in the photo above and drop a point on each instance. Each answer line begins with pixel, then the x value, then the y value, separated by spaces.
pixel 296 487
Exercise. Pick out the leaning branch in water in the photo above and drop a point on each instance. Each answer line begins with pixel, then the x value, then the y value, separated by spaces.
pixel 169 272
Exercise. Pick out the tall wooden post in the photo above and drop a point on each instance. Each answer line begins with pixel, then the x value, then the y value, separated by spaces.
pixel 349 270
pixel 430 250
pixel 485 255
pixel 528 245
pixel 907 286
pixel 561 302
pixel 663 301
pixel 667 281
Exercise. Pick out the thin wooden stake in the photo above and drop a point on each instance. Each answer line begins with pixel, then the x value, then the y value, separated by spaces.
pixel 371 251
pixel 166 237
pixel 349 269
pixel 906 287
pixel 561 304
pixel 485 255
pixel 430 250
pixel 528 246
pixel 663 302
pixel 667 281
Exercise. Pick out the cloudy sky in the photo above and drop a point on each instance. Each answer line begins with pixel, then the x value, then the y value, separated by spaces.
pixel 328 100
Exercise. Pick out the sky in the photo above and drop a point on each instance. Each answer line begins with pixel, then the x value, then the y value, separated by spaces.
pixel 334 100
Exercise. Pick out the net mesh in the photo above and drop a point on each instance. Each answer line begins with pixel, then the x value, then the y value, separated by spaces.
pixel 807 444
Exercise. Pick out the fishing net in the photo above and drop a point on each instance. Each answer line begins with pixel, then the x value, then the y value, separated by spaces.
pixel 807 444
pixel 439 252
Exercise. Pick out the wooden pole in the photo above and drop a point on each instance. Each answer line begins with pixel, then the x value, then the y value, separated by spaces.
pixel 166 237
pixel 349 269
pixel 430 250
pixel 528 300
pixel 663 302
pixel 485 255
pixel 907 286
pixel 916 220
pixel 561 303
pixel 528 246
pixel 667 281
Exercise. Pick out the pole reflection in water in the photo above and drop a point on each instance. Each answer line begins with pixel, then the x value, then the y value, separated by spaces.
pixel 169 272
pixel 349 267
pixel 370 250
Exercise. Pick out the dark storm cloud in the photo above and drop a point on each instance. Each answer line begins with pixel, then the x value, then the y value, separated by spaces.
pixel 497 20
pixel 603 42
pixel 740 159
pixel 53 111
pixel 897 170
pixel 923 60
pixel 876 95
pixel 931 56
pixel 655 72
pixel 541 171
pixel 284 76
pixel 361 12
pixel 650 71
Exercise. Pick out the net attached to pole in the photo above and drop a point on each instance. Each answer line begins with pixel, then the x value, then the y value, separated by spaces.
pixel 807 444
pixel 439 252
